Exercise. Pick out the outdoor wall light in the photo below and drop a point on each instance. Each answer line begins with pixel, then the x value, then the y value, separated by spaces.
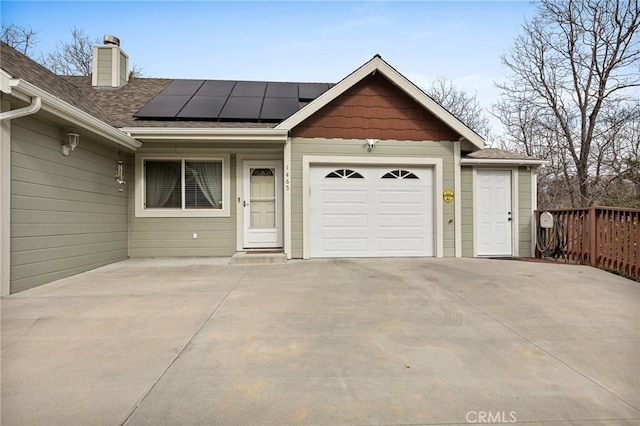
pixel 72 143
pixel 371 144
pixel 120 175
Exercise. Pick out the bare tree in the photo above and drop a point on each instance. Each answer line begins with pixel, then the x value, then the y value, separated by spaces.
pixel 461 104
pixel 575 80
pixel 74 57
pixel 20 38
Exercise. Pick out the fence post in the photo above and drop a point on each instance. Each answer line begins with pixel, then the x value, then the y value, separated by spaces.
pixel 593 237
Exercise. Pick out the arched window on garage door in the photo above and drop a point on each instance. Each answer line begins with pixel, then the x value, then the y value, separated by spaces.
pixel 344 174
pixel 399 174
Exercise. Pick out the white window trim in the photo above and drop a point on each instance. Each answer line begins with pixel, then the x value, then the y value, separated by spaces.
pixel 140 186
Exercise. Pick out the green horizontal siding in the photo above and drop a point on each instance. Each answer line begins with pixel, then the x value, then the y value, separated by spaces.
pixel 67 215
pixel 386 148
pixel 466 198
pixel 525 211
pixel 173 236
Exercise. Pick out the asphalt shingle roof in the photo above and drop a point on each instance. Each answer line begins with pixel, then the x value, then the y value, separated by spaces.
pixel 20 66
pixel 498 154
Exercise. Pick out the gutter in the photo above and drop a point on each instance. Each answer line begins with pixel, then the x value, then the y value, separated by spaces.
pixel 208 134
pixel 36 103
pixel 76 116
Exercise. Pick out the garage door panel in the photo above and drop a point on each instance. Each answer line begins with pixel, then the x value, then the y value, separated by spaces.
pixel 345 246
pixel 345 221
pixel 344 197
pixel 371 216
pixel 399 196
pixel 401 221
pixel 407 245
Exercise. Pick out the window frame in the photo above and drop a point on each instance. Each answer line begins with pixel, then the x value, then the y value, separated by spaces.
pixel 140 187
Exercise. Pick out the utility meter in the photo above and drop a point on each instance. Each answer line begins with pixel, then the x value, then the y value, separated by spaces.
pixel 546 220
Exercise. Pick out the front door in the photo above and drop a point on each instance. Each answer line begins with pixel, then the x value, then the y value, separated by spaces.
pixel 493 215
pixel 262 204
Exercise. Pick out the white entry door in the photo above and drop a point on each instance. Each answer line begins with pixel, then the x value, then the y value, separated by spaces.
pixel 493 215
pixel 262 204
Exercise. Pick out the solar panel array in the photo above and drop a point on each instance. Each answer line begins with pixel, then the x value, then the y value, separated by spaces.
pixel 230 100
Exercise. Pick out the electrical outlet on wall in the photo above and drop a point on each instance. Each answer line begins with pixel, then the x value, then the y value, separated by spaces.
pixel 195 235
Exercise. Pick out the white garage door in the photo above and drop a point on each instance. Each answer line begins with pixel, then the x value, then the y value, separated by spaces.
pixel 358 211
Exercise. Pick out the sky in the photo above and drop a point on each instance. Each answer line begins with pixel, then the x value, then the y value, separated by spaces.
pixel 319 41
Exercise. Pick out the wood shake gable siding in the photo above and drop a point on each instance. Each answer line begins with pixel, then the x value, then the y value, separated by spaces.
pixel 374 108
pixel 67 215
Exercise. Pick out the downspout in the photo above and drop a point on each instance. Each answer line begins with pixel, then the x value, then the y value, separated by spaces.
pixel 36 103
pixel 5 189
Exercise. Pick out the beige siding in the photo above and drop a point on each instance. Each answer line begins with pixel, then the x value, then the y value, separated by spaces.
pixel 105 61
pixel 466 198
pixel 525 215
pixel 385 148
pixel 67 215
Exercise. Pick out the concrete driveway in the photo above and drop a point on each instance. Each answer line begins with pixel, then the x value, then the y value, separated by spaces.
pixel 372 341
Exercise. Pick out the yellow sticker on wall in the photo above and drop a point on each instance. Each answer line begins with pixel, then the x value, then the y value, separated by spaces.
pixel 447 195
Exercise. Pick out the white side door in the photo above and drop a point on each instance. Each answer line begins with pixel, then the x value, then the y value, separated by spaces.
pixel 493 213
pixel 262 204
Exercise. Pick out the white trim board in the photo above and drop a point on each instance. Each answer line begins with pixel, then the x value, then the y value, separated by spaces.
pixel 308 160
pixel 5 206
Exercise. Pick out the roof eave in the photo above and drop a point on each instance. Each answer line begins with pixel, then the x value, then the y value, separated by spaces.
pixel 208 134
pixel 72 114
pixel 502 161
pixel 377 64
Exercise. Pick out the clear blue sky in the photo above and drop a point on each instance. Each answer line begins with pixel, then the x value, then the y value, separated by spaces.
pixel 293 40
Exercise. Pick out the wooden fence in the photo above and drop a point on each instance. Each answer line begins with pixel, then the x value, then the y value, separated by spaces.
pixel 604 237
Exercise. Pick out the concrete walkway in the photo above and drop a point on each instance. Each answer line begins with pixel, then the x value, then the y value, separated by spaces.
pixel 372 341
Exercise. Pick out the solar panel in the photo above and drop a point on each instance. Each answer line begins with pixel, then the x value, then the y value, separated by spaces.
pixel 200 107
pixel 309 91
pixel 244 108
pixel 182 87
pixel 162 106
pixel 249 88
pixel 281 90
pixel 230 100
pixel 216 88
pixel 278 108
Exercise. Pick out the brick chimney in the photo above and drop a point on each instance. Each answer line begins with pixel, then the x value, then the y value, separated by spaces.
pixel 110 64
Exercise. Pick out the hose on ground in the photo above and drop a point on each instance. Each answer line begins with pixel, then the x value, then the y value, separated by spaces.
pixel 550 242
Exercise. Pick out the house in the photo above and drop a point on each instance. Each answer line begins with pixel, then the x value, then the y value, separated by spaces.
pixel 98 169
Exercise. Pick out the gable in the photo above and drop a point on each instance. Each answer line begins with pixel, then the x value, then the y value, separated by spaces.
pixel 374 108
